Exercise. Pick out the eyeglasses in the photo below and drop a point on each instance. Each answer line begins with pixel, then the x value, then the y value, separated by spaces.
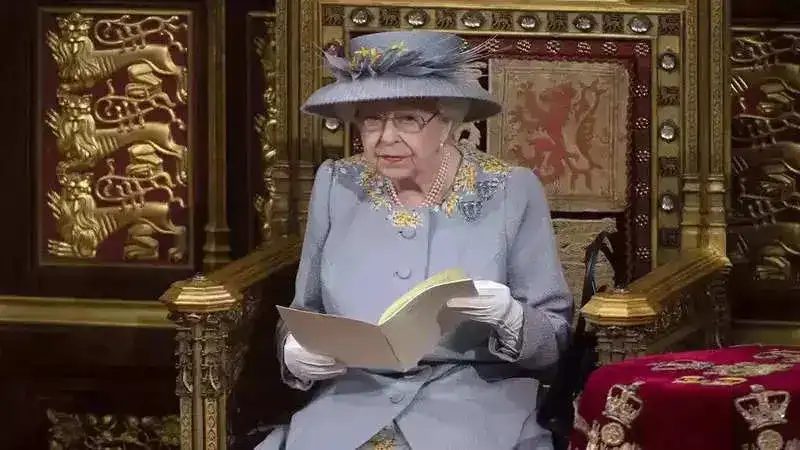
pixel 405 123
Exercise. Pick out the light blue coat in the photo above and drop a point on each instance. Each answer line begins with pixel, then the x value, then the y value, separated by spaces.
pixel 360 254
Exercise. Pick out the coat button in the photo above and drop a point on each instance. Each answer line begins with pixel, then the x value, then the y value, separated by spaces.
pixel 403 273
pixel 396 398
pixel 408 233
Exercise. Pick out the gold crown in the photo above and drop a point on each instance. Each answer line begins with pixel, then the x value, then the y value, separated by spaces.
pixel 763 408
pixel 623 404
pixel 74 22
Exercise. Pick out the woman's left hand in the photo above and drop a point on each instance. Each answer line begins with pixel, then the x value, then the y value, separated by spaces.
pixel 493 305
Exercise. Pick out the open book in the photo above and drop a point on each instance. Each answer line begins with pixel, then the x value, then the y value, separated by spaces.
pixel 408 330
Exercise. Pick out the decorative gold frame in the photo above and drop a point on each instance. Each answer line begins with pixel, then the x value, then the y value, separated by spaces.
pixel 39 126
pixel 216 252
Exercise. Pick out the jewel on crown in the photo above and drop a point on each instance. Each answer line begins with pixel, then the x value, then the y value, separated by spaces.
pixel 763 408
pixel 623 403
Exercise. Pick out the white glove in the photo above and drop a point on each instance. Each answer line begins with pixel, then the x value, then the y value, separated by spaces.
pixel 309 366
pixel 495 306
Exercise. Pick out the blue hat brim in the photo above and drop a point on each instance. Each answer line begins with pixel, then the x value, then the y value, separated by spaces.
pixel 339 99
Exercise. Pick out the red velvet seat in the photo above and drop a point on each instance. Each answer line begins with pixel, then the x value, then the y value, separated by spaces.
pixel 745 397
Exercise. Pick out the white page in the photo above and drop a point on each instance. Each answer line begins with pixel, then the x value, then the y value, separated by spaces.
pixel 351 342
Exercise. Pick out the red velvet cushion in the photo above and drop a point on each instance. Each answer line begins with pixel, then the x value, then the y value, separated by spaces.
pixel 733 398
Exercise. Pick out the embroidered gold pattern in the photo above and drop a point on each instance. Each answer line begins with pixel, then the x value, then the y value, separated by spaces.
pixel 475 165
pixel 389 438
pixel 612 434
pixel 762 409
pixel 405 218
pixel 747 369
pixel 769 440
pixel 699 379
pixel 383 444
pixel 464 182
pixel 623 404
pixel 680 364
pixel 784 356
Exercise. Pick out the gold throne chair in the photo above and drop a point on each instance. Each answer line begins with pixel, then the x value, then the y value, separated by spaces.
pixel 606 100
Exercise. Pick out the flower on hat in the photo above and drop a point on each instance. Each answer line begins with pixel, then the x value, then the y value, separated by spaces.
pixel 398 60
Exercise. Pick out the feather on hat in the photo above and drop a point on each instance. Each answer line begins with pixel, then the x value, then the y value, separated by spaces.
pixel 404 65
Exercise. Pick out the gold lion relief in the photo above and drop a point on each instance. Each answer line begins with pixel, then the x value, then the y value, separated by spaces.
pixel 115 158
pixel 83 226
pixel 764 221
pixel 82 145
pixel 81 66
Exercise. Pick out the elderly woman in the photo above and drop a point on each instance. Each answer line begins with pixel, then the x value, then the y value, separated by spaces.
pixel 413 204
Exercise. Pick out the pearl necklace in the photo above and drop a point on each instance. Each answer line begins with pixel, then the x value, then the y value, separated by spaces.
pixel 434 194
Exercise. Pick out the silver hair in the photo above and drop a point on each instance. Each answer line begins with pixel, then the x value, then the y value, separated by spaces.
pixel 453 109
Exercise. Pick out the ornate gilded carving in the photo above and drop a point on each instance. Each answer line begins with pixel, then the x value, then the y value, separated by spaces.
pixel 83 225
pixel 502 21
pixel 333 15
pixel 557 22
pixel 445 19
pixel 669 237
pixel 266 127
pixel 205 313
pixel 613 23
pixel 389 17
pixel 114 154
pixel 720 304
pixel 669 96
pixel 81 66
pixel 764 219
pixel 93 432
pixel 691 222
pixel 669 166
pixel 669 25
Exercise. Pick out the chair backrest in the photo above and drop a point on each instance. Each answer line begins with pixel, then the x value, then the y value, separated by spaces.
pixel 556 411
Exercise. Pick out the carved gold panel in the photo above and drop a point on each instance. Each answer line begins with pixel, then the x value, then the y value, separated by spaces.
pixel 654 44
pixel 114 151
pixel 95 432
pixel 269 121
pixel 764 218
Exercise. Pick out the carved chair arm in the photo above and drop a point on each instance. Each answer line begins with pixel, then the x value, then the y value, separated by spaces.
pixel 678 305
pixel 214 314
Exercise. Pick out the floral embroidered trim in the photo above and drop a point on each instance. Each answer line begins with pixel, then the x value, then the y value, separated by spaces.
pixel 478 178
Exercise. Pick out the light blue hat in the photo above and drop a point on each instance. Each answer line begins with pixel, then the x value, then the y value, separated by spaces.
pixel 404 65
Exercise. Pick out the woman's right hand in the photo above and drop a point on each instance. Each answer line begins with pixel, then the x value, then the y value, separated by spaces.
pixel 309 366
